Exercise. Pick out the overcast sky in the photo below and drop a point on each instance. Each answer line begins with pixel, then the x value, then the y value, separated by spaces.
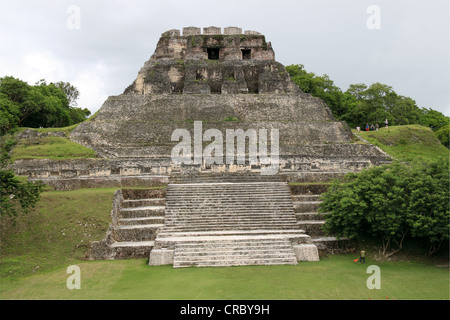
pixel 405 44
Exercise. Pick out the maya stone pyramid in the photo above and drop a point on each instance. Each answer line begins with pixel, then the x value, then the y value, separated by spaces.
pixel 227 211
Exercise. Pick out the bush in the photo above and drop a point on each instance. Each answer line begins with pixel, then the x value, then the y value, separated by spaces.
pixel 392 202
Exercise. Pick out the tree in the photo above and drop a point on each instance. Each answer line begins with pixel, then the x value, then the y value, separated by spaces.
pixel 433 119
pixel 391 202
pixel 362 104
pixel 15 196
pixel 70 91
pixel 40 105
pixel 443 135
pixel 9 114
pixel 318 86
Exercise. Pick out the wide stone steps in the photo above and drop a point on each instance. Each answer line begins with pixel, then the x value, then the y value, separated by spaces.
pixel 216 253
pixel 306 206
pixel 237 222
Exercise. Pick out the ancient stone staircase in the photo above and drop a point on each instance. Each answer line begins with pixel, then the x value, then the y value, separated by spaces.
pixel 236 220
pixel 306 206
pixel 137 215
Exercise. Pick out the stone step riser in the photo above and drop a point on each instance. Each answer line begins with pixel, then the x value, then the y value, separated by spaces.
pixel 225 222
pixel 246 256
pixel 301 198
pixel 135 252
pixel 312 229
pixel 306 207
pixel 226 251
pixel 158 220
pixel 141 214
pixel 310 216
pixel 217 219
pixel 143 203
pixel 234 263
pixel 172 231
pixel 266 233
pixel 135 234
pixel 213 214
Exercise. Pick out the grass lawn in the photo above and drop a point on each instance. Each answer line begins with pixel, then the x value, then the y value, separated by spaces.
pixel 55 232
pixel 407 143
pixel 334 277
pixel 50 148
pixel 36 251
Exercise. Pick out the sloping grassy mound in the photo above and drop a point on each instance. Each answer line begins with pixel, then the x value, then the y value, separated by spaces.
pixel 50 148
pixel 407 143
pixel 56 231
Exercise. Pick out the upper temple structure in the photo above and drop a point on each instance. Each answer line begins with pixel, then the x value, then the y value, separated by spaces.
pixel 212 62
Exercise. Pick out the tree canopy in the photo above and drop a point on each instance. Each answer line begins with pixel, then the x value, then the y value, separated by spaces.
pixel 40 105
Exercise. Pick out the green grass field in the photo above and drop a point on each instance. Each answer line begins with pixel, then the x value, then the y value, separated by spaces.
pixel 38 248
pixel 335 277
pixel 50 148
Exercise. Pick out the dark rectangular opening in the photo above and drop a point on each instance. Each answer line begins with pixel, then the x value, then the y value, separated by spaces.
pixel 215 88
pixel 213 53
pixel 246 54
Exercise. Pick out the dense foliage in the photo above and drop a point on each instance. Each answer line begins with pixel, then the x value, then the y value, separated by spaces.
pixel 15 195
pixel 40 105
pixel 394 203
pixel 362 104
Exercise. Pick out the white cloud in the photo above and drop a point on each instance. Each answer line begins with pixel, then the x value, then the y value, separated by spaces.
pixel 91 86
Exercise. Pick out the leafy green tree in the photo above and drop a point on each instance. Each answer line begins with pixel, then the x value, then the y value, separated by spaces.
pixel 9 114
pixel 70 91
pixel 433 119
pixel 40 105
pixel 318 86
pixel 443 135
pixel 428 207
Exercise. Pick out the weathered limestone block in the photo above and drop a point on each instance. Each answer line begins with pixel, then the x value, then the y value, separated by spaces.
pixel 211 30
pixel 160 257
pixel 251 32
pixel 306 252
pixel 191 31
pixel 232 30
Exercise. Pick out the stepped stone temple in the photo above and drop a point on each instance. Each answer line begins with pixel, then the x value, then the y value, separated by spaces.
pixel 222 212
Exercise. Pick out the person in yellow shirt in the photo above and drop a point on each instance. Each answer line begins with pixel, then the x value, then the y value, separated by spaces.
pixel 362 257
